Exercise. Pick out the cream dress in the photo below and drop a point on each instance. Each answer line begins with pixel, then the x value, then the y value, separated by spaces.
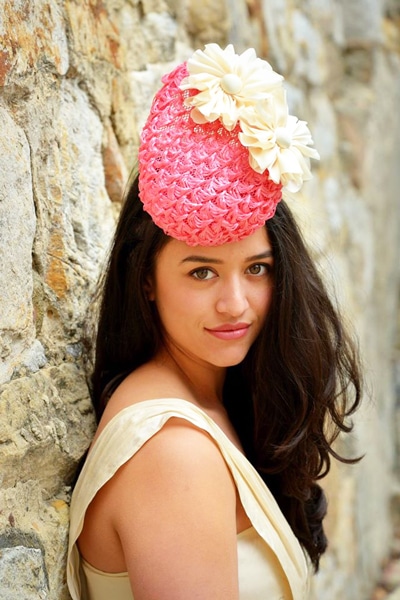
pixel 271 562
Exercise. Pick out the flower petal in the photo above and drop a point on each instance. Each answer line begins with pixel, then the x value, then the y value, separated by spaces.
pixel 244 88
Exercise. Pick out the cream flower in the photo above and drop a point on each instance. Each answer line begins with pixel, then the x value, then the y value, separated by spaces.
pixel 226 83
pixel 277 141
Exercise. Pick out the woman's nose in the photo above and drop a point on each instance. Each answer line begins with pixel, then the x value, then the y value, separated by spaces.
pixel 232 299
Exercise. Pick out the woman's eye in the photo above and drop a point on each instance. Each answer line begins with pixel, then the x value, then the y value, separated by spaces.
pixel 202 274
pixel 259 269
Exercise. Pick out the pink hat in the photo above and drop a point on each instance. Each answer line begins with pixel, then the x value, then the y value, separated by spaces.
pixel 218 147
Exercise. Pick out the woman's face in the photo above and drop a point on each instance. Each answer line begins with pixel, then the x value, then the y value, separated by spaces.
pixel 213 301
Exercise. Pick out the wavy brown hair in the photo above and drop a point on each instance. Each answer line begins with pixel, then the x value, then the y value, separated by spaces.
pixel 304 380
pixel 291 396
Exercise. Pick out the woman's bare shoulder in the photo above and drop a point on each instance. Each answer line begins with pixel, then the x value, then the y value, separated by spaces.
pixel 149 382
pixel 177 482
pixel 177 496
pixel 178 449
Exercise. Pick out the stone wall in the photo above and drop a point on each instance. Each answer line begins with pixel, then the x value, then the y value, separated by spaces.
pixel 76 80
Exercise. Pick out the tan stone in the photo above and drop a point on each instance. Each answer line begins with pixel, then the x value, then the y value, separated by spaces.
pixel 32 34
pixel 208 21
pixel 46 424
pixel 17 218
pixel 34 535
pixel 75 219
pixel 115 171
pixel 95 35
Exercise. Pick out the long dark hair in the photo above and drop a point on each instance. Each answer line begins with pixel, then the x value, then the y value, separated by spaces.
pixel 292 394
pixel 303 374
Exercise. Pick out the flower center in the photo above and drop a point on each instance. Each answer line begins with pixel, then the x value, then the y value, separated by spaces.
pixel 283 137
pixel 231 83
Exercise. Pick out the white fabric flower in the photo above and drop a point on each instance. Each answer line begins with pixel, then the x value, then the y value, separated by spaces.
pixel 244 89
pixel 277 141
pixel 227 82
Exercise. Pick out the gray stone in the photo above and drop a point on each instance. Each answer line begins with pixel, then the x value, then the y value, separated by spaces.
pixel 46 423
pixel 277 17
pixel 28 520
pixel 34 357
pixel 245 28
pixel 17 229
pixel 75 218
pixel 362 21
pixel 309 66
pixel 159 30
pixel 22 574
pixel 328 17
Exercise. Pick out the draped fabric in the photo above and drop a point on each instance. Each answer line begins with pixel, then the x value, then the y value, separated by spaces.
pixel 271 562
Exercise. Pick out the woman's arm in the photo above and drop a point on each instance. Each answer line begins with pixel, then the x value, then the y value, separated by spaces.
pixel 174 509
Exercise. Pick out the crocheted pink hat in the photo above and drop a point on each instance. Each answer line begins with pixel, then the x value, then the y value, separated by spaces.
pixel 197 176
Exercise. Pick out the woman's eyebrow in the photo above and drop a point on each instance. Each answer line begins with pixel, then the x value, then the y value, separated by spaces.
pixel 266 254
pixel 215 261
pixel 202 259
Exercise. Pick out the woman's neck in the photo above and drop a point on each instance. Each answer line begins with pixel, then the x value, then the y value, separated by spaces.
pixel 204 381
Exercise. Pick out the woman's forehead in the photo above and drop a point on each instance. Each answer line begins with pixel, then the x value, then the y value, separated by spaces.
pixel 250 247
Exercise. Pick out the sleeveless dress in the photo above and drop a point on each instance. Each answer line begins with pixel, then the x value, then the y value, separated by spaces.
pixel 271 562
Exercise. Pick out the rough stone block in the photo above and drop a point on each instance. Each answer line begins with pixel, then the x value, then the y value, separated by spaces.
pixel 277 15
pixel 22 574
pixel 362 22
pixel 246 28
pixel 310 65
pixel 115 171
pixel 46 424
pixel 75 220
pixel 38 529
pixel 327 16
pixel 207 21
pixel 17 229
pixel 159 31
pixel 32 35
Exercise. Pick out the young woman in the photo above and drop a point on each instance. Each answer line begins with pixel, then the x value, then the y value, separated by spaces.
pixel 223 373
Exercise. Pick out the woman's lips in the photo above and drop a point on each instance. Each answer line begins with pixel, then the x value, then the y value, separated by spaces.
pixel 229 332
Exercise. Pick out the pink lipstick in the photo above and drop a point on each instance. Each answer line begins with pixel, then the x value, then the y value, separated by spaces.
pixel 230 331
